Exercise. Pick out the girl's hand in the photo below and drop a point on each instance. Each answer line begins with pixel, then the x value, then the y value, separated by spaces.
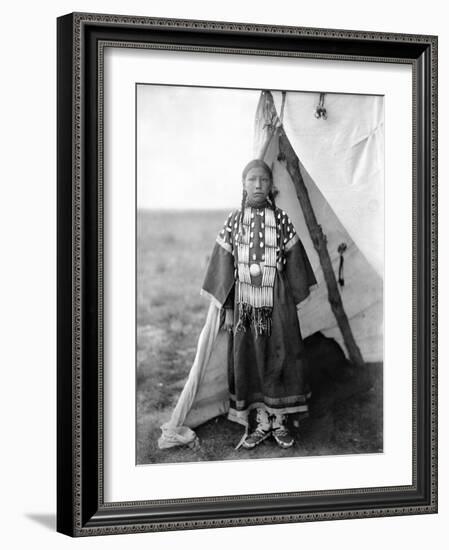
pixel 229 320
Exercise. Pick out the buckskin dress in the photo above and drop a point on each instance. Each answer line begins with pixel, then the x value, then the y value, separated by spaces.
pixel 267 367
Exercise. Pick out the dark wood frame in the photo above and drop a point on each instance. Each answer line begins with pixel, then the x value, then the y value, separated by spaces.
pixel 81 509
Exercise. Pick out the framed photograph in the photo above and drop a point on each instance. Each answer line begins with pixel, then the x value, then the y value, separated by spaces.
pixel 247 279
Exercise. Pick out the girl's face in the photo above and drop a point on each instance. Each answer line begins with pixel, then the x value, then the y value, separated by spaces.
pixel 257 184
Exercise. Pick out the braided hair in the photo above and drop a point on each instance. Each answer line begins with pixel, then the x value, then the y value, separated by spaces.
pixel 280 237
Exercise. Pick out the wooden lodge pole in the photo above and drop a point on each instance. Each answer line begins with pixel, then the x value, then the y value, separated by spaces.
pixel 320 243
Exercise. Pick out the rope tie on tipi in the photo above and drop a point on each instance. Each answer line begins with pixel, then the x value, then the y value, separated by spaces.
pixel 341 250
pixel 320 110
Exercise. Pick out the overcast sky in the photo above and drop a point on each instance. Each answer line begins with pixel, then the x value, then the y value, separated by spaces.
pixel 192 144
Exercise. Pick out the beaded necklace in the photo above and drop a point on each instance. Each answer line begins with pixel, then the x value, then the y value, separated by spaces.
pixel 255 294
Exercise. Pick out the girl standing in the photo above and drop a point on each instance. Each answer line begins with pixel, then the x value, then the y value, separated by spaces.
pixel 258 274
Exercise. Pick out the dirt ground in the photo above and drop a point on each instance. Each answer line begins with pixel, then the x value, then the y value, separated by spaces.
pixel 345 417
pixel 345 414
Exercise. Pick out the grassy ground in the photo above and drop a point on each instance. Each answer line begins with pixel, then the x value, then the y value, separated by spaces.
pixel 173 251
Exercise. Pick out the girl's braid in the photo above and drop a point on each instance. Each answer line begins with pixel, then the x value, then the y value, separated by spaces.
pixel 271 196
pixel 242 212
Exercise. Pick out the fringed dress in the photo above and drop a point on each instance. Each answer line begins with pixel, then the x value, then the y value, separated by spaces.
pixel 262 272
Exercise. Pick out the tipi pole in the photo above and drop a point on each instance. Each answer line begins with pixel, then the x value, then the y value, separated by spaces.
pixel 320 243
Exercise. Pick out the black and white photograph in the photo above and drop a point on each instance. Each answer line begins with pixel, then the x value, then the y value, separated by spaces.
pixel 220 284
pixel 259 273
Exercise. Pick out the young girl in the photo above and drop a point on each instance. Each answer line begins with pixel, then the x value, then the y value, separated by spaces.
pixel 259 273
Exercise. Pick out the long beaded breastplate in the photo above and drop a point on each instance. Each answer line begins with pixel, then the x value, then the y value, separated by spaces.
pixel 256 269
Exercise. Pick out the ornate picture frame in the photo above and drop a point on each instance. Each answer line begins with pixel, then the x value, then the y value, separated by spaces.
pixel 81 507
